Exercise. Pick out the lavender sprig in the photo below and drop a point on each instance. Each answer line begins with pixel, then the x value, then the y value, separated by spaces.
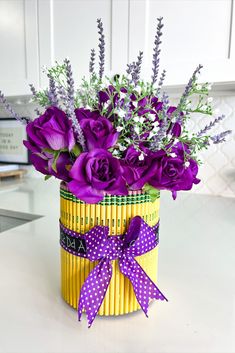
pixel 70 105
pixel 210 126
pixel 33 90
pixel 101 47
pixel 92 62
pixel 161 80
pixel 62 93
pixel 186 93
pixel 157 50
pixel 189 85
pixel 10 110
pixel 52 94
pixel 137 68
pixel 219 138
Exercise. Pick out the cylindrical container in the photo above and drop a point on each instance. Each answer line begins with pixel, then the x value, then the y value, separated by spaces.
pixel 116 213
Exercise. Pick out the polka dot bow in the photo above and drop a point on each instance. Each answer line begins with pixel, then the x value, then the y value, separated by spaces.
pixel 138 240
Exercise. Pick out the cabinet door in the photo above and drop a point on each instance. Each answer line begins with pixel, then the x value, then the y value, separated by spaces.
pixel 68 28
pixel 195 32
pixel 19 46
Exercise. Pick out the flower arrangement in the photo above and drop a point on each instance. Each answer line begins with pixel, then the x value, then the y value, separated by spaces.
pixel 117 133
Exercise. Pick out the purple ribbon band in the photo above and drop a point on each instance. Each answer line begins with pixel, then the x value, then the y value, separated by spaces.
pixel 96 245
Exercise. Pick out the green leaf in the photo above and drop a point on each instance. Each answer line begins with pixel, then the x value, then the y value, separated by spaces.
pixel 47 177
pixel 48 150
pixel 153 192
pixel 56 156
pixel 76 150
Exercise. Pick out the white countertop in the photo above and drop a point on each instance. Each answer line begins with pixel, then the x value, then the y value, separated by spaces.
pixel 196 273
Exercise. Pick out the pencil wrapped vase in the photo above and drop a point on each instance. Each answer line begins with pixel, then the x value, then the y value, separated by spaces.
pixel 114 214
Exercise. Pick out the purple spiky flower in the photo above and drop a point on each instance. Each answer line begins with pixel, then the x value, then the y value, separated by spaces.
pixel 157 50
pixel 92 61
pixel 186 92
pixel 137 68
pixel 52 94
pixel 210 126
pixel 161 80
pixel 33 90
pixel 219 138
pixel 101 47
pixel 70 105
pixel 10 110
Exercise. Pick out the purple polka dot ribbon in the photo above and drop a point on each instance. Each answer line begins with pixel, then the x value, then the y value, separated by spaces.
pixel 96 245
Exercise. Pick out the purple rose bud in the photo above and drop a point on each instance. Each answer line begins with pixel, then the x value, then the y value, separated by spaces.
pixel 51 130
pixel 94 174
pixel 138 169
pixel 173 173
pixel 176 130
pixel 98 131
pixel 44 164
pixel 103 97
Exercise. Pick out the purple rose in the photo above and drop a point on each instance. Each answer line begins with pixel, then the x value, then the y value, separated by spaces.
pixel 44 164
pixel 98 130
pixel 174 173
pixel 95 173
pixel 51 130
pixel 137 167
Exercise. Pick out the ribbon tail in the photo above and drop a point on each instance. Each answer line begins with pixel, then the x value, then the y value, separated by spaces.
pixel 94 289
pixel 144 288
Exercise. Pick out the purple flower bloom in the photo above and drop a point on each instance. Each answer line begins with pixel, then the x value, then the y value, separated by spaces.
pixel 135 171
pixel 51 130
pixel 95 173
pixel 98 131
pixel 172 172
pixel 44 164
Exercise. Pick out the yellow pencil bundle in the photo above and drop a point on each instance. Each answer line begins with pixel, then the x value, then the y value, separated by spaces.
pixel 116 213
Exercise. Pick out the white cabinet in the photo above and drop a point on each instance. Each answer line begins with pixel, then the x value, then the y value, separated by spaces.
pixel 34 33
pixel 194 32
pixel 19 46
pixel 68 28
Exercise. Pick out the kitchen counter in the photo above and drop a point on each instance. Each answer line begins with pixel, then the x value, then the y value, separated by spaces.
pixel 196 273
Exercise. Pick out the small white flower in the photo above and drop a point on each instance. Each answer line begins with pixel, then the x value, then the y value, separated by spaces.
pixel 141 157
pixel 173 155
pixel 115 152
pixel 151 134
pixel 204 107
pixel 105 105
pixel 136 119
pixel 122 95
pixel 137 129
pixel 210 99
pixel 135 103
pixel 121 113
pixel 121 147
pixel 119 128
pixel 156 123
pixel 199 87
pixel 152 117
pixel 141 119
pixel 138 89
pixel 156 129
pixel 187 164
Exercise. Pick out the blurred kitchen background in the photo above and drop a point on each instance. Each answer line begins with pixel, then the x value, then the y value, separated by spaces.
pixel 34 33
